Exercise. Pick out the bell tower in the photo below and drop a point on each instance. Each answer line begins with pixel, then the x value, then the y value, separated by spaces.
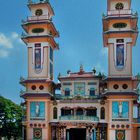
pixel 120 35
pixel 39 38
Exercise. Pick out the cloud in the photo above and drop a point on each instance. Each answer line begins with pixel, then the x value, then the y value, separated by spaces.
pixel 16 37
pixel 5 42
pixel 4 53
pixel 104 51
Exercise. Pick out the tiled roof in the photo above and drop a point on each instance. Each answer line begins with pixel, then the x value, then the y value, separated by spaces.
pixel 35 81
pixel 131 93
pixel 25 95
pixel 121 78
pixel 118 78
pixel 79 75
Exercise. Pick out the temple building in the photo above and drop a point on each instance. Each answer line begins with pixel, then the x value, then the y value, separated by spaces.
pixel 91 106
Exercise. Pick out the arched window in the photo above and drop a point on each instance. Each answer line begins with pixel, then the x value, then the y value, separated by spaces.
pixel 92 91
pixel 66 111
pixel 79 111
pixel 67 92
pixel 102 113
pixel 54 113
pixel 91 112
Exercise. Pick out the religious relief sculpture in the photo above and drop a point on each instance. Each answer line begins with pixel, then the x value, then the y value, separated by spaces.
pixel 37 59
pixel 120 55
pixel 120 109
pixel 37 110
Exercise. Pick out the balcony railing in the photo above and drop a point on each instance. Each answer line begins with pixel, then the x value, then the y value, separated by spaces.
pixel 37 1
pixel 43 17
pixel 77 97
pixel 136 120
pixel 79 117
pixel 35 19
pixel 121 30
pixel 23 35
pixel 119 12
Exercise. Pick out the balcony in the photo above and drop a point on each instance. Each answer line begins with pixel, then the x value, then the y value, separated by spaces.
pixel 77 97
pixel 35 19
pixel 119 12
pixel 37 1
pixel 119 30
pixel 23 35
pixel 79 118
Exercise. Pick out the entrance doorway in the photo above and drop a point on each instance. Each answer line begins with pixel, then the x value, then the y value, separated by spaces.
pixel 77 134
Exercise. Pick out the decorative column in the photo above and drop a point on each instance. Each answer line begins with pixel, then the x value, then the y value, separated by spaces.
pixel 68 135
pixel 53 132
pixel 74 112
pixel 84 112
pixel 90 133
pixel 98 134
pixel 64 131
pixel 87 133
pixel 94 134
pixel 58 133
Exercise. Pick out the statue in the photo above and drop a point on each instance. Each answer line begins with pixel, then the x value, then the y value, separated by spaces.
pixel 37 110
pixel 120 109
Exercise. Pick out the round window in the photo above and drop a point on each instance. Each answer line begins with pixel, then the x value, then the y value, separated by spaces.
pixel 116 86
pixel 38 12
pixel 119 25
pixel 127 126
pixel 119 6
pixel 41 87
pixel 122 126
pixel 124 86
pixel 33 87
pixel 113 126
pixel 118 126
pixel 37 30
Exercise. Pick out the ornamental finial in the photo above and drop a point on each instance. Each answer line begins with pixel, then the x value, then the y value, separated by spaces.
pixel 81 68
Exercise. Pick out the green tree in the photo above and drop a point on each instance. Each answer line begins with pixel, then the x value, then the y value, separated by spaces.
pixel 10 119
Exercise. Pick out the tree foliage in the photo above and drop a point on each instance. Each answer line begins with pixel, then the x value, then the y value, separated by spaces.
pixel 10 119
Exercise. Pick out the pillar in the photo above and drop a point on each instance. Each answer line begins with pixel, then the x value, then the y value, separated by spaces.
pixel 94 134
pixel 68 135
pixel 64 133
pixel 87 133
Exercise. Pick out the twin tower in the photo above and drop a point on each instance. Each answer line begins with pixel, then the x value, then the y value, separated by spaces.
pixel 119 36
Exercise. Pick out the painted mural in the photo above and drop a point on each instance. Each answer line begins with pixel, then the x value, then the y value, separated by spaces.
pixel 120 55
pixel 120 109
pixel 120 134
pixel 79 88
pixel 37 110
pixel 37 133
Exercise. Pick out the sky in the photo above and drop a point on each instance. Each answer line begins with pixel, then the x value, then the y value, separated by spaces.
pixel 79 23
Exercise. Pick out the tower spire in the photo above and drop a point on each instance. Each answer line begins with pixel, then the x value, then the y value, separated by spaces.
pixel 39 37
